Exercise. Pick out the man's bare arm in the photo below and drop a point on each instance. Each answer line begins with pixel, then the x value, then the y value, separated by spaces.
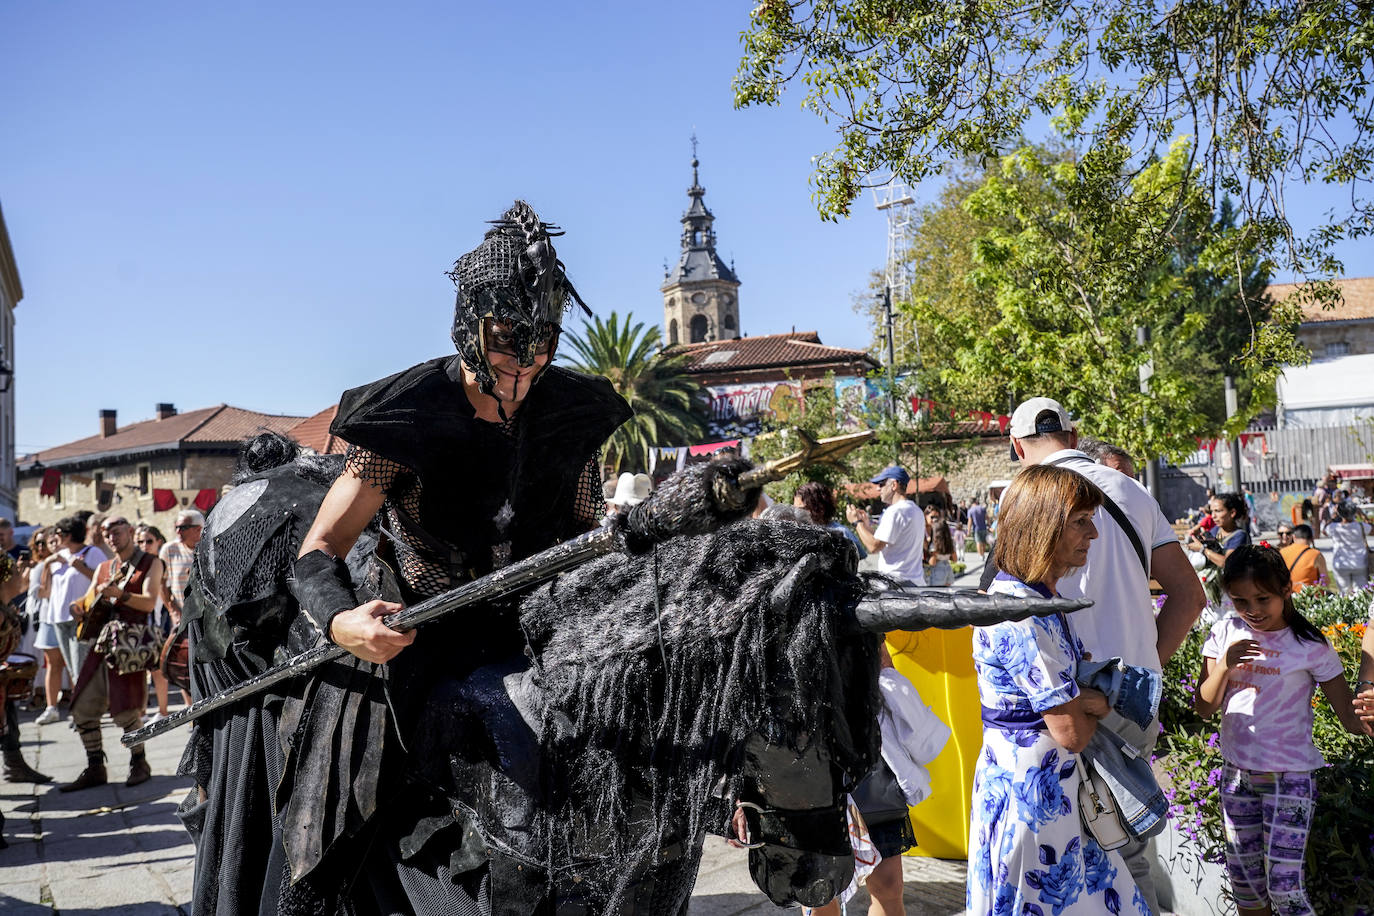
pixel 347 508
pixel 1186 598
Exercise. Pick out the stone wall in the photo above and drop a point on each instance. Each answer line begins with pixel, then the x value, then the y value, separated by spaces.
pixel 174 471
pixel 1358 335
pixel 989 461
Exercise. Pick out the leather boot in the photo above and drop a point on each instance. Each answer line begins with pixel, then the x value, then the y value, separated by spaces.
pixel 17 770
pixel 92 776
pixel 139 771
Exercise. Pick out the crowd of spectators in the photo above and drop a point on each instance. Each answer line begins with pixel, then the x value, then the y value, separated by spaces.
pixel 59 577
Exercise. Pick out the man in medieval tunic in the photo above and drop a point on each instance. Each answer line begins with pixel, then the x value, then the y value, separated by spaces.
pixel 114 676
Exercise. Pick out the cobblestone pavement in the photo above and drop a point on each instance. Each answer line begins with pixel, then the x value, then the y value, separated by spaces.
pixel 122 852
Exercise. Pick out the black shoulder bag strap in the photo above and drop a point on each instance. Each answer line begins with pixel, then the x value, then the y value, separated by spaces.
pixel 1299 557
pixel 1120 517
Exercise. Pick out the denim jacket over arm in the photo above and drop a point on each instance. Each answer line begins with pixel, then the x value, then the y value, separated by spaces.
pixel 1117 749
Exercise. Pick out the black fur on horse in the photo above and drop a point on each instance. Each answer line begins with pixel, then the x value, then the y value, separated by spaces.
pixel 268 450
pixel 749 651
pixel 696 500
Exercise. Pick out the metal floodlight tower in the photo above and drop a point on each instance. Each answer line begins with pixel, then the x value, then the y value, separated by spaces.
pixel 894 198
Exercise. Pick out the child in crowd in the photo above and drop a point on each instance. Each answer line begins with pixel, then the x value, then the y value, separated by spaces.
pixel 1259 666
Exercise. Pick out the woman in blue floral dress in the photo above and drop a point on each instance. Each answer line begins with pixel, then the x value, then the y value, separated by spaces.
pixel 1028 853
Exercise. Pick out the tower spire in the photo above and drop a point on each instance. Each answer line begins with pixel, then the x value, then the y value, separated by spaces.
pixel 700 293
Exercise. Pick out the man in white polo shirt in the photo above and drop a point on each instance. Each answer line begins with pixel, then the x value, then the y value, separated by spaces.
pixel 900 538
pixel 1121 623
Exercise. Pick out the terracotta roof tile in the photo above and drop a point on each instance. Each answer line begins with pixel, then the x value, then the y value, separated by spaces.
pixel 313 433
pixel 1357 291
pixel 769 350
pixel 234 424
pixel 204 426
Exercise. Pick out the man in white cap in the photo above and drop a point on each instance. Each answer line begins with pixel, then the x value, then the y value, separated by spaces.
pixel 899 540
pixel 1121 623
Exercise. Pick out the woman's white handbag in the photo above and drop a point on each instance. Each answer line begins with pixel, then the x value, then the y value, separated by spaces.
pixel 1098 809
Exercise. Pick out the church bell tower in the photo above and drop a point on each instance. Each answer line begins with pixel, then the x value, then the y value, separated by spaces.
pixel 700 294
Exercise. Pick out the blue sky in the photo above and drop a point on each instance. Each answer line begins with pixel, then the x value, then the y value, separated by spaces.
pixel 254 203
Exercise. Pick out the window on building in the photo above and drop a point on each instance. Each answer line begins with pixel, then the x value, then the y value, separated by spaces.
pixel 1338 348
pixel 728 322
pixel 104 493
pixel 672 331
pixel 700 327
pixel 144 475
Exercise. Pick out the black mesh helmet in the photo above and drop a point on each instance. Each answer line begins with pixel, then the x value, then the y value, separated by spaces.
pixel 515 278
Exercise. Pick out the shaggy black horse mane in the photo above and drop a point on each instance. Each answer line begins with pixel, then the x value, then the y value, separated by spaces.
pixel 657 670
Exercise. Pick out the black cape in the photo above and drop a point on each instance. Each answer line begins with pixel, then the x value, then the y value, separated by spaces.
pixel 295 782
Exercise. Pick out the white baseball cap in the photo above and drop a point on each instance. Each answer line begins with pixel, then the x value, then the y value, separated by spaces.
pixel 1027 420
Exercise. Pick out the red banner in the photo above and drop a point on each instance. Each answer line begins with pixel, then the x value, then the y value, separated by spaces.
pixel 710 447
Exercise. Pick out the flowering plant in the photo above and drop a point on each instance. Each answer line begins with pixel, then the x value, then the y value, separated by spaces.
pixel 1340 847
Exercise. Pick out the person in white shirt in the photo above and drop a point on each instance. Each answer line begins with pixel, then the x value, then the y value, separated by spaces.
pixel 1122 621
pixel 899 539
pixel 65 577
pixel 1350 543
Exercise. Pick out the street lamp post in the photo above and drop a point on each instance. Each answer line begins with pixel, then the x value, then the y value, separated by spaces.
pixel 1231 408
pixel 891 355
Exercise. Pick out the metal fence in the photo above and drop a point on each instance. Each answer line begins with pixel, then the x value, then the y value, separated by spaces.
pixel 1283 463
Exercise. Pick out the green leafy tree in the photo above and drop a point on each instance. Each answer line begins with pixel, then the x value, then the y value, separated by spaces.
pixel 1232 302
pixel 1074 266
pixel 1274 94
pixel 666 401
pixel 1203 321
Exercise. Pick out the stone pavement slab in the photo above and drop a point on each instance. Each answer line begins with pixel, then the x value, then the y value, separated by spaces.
pixel 110 849
pixel 121 851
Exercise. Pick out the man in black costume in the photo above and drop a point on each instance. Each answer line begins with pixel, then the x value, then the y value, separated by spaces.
pixel 475 461
pixel 472 461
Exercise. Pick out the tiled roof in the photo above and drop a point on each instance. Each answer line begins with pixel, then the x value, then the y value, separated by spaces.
pixel 798 348
pixel 313 433
pixel 206 426
pixel 1357 291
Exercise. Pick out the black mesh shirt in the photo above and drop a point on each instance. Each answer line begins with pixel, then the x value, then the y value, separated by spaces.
pixel 422 567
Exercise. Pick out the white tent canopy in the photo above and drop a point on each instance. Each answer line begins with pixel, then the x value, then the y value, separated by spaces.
pixel 1328 392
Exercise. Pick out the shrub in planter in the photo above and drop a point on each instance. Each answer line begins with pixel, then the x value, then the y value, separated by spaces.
pixel 1340 849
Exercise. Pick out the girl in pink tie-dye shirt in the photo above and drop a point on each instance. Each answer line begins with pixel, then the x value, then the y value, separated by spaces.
pixel 1260 666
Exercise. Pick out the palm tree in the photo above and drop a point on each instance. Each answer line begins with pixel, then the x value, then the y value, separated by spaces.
pixel 653 381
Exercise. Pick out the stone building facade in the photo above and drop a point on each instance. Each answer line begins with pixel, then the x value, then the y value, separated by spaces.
pixel 1346 330
pixel 11 291
pixel 988 463
pixel 128 470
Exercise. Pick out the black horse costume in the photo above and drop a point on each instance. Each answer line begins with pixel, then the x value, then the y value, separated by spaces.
pixel 576 774
pixel 561 751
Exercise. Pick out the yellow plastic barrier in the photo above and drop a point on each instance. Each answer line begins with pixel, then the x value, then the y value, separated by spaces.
pixel 940 664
